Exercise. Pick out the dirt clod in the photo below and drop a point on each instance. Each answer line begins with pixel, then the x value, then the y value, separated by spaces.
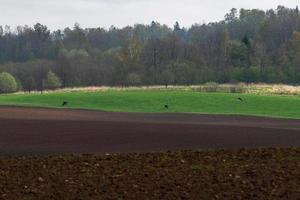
pixel 246 174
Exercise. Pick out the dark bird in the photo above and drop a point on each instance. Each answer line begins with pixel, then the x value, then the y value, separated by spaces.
pixel 166 107
pixel 64 103
pixel 240 99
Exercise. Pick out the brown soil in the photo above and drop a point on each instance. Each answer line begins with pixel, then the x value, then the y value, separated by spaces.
pixel 240 174
pixel 219 174
pixel 32 131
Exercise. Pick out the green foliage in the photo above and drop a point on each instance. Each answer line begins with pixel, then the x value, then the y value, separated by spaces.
pixel 247 75
pixel 78 53
pixel 19 85
pixel 295 42
pixel 73 53
pixel 184 73
pixel 252 46
pixel 8 83
pixel 239 54
pixel 52 82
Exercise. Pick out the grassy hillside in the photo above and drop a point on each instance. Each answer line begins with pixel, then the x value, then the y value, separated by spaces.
pixel 154 101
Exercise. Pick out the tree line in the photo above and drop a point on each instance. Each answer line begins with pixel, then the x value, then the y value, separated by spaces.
pixel 247 46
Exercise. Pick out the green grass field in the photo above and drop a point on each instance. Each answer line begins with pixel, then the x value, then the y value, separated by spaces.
pixel 154 101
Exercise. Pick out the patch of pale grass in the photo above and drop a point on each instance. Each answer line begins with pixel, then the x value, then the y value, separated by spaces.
pixel 277 89
pixel 106 88
pixel 260 89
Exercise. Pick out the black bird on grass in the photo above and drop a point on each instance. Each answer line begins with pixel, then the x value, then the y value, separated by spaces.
pixel 240 99
pixel 166 106
pixel 64 103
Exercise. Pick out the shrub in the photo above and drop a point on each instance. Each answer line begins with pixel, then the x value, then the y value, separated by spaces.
pixel 53 81
pixel 210 87
pixel 239 88
pixel 8 83
pixel 19 84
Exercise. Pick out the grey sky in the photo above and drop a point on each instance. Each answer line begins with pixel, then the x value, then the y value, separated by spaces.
pixel 94 13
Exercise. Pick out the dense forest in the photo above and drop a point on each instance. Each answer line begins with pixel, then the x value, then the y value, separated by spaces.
pixel 247 46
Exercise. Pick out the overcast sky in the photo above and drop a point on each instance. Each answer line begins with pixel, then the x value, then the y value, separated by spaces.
pixel 103 13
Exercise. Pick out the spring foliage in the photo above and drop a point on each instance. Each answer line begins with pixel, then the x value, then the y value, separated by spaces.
pixel 52 81
pixel 8 83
